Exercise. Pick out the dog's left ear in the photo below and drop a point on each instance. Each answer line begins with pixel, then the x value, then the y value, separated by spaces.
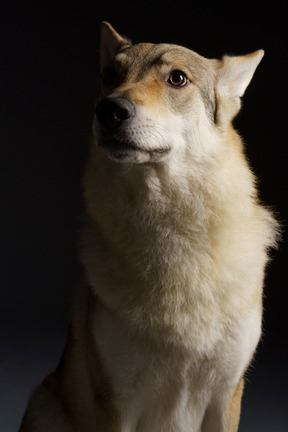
pixel 110 43
pixel 234 75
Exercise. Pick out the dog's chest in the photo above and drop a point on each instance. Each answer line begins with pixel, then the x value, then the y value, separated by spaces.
pixel 153 388
pixel 156 386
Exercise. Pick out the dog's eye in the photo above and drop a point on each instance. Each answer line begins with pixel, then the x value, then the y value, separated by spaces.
pixel 109 75
pixel 177 79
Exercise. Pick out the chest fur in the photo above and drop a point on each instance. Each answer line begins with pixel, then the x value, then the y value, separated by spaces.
pixel 159 384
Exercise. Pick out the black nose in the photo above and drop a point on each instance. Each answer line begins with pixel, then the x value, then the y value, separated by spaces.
pixel 113 111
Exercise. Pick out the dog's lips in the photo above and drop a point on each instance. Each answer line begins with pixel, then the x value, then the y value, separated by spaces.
pixel 121 149
pixel 116 145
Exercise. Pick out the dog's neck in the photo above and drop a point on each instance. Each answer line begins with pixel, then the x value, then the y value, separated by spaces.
pixel 187 193
pixel 150 209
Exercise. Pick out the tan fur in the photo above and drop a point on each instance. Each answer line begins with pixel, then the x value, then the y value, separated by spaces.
pixel 234 408
pixel 174 252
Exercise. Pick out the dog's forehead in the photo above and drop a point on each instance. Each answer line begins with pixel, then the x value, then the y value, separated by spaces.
pixel 146 55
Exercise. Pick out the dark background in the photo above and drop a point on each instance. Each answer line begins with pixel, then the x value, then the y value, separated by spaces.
pixel 48 71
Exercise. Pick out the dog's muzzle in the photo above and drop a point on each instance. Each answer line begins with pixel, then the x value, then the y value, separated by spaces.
pixel 114 115
pixel 113 112
pixel 116 135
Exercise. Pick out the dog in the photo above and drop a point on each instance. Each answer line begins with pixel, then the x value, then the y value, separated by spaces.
pixel 174 249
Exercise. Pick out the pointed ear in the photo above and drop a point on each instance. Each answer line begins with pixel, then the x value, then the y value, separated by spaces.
pixel 110 43
pixel 236 73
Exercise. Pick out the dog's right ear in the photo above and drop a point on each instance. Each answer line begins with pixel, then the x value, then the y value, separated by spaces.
pixel 110 43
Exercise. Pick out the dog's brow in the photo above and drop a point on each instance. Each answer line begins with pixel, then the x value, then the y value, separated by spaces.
pixel 159 60
pixel 168 57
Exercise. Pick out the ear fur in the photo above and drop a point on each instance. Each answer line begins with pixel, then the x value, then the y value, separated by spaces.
pixel 234 75
pixel 110 43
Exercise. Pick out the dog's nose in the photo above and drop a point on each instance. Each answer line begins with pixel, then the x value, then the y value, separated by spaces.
pixel 113 111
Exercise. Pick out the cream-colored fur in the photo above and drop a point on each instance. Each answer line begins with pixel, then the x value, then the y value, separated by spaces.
pixel 174 251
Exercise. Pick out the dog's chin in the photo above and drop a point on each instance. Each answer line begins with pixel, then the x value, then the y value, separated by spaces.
pixel 121 151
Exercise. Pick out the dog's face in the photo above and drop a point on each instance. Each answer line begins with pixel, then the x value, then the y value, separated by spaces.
pixel 163 101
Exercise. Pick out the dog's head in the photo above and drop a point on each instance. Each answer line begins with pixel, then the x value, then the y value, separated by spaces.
pixel 160 100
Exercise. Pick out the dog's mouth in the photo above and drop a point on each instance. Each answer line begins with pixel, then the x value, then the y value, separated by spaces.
pixel 122 150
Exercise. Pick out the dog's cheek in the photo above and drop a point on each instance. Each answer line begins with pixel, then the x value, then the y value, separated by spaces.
pixel 181 101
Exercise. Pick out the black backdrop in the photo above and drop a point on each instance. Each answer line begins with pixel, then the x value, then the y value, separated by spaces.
pixel 48 76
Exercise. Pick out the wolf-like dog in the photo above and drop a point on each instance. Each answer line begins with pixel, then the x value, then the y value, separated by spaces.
pixel 174 251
